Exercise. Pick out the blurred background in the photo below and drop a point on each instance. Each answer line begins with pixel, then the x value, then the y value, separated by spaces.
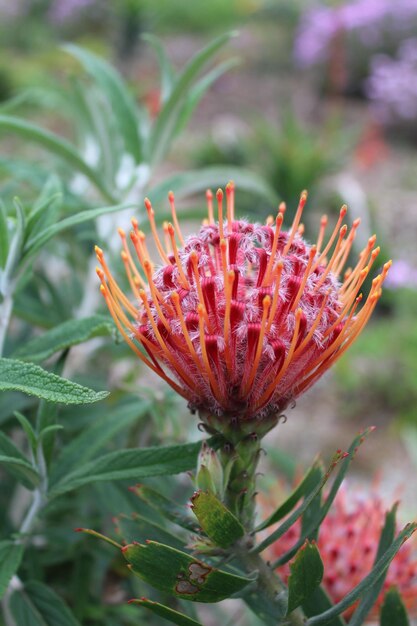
pixel 316 95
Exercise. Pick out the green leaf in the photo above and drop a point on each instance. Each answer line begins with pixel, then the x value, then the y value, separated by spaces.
pixel 377 571
pixel 298 512
pixel 165 67
pixel 306 575
pixel 318 602
pixel 93 438
pixel 219 524
pixel 16 463
pixel 131 464
pixel 38 605
pixel 165 612
pixel 35 381
pixel 195 181
pixel 65 335
pixel 199 89
pixel 169 509
pixel 121 102
pixel 27 427
pixel 393 610
pixel 181 575
pixel 370 598
pixel 36 243
pixel 310 530
pixel 164 128
pixel 10 558
pixel 138 528
pixel 57 146
pixel 4 236
pixel 307 483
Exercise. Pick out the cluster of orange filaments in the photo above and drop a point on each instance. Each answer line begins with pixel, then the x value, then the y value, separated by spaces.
pixel 241 318
pixel 348 543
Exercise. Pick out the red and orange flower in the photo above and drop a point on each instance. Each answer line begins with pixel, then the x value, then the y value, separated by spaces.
pixel 241 318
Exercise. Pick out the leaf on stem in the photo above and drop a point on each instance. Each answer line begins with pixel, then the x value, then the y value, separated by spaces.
pixel 10 558
pixel 219 524
pixel 167 613
pixel 393 610
pixel 33 380
pixel 180 574
pixel 306 575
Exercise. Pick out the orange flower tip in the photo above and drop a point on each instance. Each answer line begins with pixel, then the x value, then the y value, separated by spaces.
pixel 280 218
pixel 230 187
pixel 303 195
pixel 147 265
pixel 99 272
pixel 133 236
pixel 103 290
pixel 375 252
pixel 123 254
pixel 78 530
pixel 175 296
pixel 209 194
pixel 324 220
pixel 266 303
pixel 231 276
pixel 171 230
pixel 148 204
pixel 343 230
pixel 200 310
pixel 359 298
pixel 387 265
pixel 134 222
pixel 282 207
pixel 269 220
pixel 219 194
pixel 356 223
pixel 98 251
pixel 343 210
pixel 171 197
pixel 223 244
pixel 299 313
pixel 313 251
pixel 193 256
pixel 165 226
pixel 371 241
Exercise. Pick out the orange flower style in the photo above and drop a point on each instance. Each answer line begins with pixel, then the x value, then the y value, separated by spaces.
pixel 348 542
pixel 241 318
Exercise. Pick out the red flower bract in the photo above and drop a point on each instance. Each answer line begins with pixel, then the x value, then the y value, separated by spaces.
pixel 241 318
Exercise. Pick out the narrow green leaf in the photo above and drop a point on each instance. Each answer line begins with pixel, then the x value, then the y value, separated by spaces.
pixel 199 89
pixel 165 612
pixel 93 439
pixel 165 67
pixel 4 236
pixel 298 512
pixel 319 602
pixel 21 469
pixel 393 612
pixel 16 463
pixel 10 558
pixel 122 103
pixel 370 598
pixel 219 524
pixel 65 335
pixel 57 146
pixel 131 464
pixel 358 591
pixel 164 127
pixel 138 528
pixel 27 427
pixel 36 243
pixel 191 182
pixel 181 575
pixel 306 575
pixel 35 381
pixel 169 509
pixel 38 605
pixel 311 529
pixel 307 483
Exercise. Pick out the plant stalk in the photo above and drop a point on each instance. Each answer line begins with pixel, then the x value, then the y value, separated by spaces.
pixel 6 308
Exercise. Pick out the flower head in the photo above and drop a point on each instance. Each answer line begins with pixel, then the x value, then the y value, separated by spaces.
pixel 348 543
pixel 241 318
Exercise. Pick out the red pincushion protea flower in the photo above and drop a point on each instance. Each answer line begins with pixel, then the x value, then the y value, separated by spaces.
pixel 348 542
pixel 241 318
